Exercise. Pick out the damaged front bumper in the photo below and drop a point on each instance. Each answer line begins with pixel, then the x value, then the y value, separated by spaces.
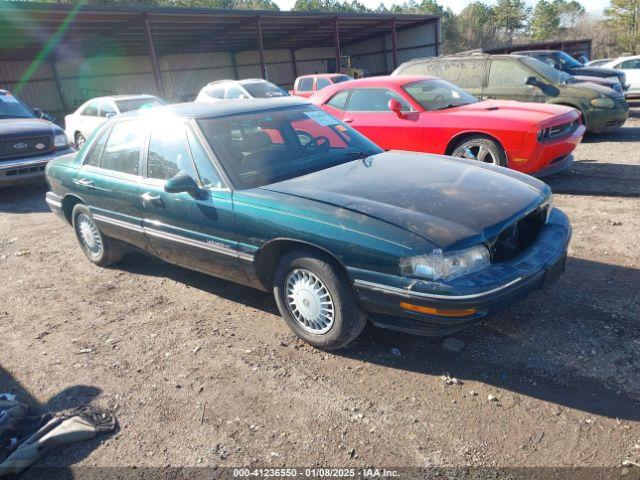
pixel 387 298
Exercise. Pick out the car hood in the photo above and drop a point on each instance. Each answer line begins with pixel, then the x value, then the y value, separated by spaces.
pixel 511 110
pixel 451 202
pixel 600 80
pixel 20 127
pixel 598 72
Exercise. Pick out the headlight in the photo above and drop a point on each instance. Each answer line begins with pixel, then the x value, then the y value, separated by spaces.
pixel 551 206
pixel 440 266
pixel 60 140
pixel 603 102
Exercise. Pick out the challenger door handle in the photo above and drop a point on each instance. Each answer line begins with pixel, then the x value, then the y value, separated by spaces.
pixel 84 183
pixel 149 198
pixel 348 120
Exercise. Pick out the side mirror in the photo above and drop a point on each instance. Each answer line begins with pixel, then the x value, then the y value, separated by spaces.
pixel 39 113
pixel 182 182
pixel 396 107
pixel 110 114
pixel 533 81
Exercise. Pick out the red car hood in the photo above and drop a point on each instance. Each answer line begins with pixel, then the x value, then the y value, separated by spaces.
pixel 518 112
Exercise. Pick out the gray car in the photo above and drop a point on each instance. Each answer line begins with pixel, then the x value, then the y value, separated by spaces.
pixel 516 77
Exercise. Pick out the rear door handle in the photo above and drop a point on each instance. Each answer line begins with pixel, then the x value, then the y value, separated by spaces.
pixel 83 182
pixel 148 198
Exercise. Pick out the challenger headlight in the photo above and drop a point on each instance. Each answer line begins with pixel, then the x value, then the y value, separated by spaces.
pixel 440 266
pixel 603 102
pixel 60 140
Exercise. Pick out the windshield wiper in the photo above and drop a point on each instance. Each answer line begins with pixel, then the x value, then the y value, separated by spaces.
pixel 360 155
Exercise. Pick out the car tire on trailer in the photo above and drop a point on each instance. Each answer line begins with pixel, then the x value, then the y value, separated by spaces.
pixel 317 300
pixel 79 140
pixel 481 148
pixel 98 248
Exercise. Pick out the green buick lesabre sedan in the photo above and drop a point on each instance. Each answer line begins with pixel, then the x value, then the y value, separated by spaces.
pixel 280 196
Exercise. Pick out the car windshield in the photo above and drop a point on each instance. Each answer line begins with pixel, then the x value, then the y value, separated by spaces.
pixel 11 107
pixel 264 90
pixel 138 103
pixel 568 60
pixel 438 94
pixel 257 149
pixel 341 78
pixel 546 71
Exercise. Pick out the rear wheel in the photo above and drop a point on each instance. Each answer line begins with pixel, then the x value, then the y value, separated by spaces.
pixel 482 149
pixel 317 301
pixel 99 249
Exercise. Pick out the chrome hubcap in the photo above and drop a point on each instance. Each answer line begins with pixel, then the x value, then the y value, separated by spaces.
pixel 89 235
pixel 475 151
pixel 309 301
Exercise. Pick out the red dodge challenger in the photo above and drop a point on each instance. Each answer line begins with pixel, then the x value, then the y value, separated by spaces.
pixel 426 114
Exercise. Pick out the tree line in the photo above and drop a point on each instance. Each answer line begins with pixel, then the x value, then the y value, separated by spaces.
pixel 478 25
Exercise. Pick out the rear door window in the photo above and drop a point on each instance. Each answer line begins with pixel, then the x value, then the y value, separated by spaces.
pixel 92 109
pixel 507 73
pixel 93 157
pixel 216 92
pixel 123 148
pixel 322 83
pixel 107 108
pixel 374 100
pixel 234 91
pixel 305 84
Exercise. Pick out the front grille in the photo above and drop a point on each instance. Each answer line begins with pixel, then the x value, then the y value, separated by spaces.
pixel 517 237
pixel 24 147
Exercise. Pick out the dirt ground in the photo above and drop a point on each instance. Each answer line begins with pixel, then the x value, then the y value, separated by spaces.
pixel 202 372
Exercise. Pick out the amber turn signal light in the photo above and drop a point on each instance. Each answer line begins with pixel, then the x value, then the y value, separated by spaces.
pixel 437 311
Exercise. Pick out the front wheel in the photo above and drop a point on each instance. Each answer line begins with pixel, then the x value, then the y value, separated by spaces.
pixel 317 301
pixel 100 250
pixel 482 149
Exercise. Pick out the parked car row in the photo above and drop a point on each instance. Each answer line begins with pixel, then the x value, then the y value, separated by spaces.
pixel 333 203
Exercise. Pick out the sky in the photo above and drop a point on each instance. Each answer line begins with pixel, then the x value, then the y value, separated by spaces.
pixel 595 6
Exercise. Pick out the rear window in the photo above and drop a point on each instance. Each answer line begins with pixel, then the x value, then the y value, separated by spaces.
pixel 264 90
pixel 131 104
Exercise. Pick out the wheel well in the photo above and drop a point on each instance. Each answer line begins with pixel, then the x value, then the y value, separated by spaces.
pixel 68 202
pixel 463 136
pixel 270 254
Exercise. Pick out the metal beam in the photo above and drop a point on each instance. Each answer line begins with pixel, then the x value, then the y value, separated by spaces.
pixel 294 63
pixel 436 27
pixel 336 42
pixel 263 66
pixel 56 79
pixel 154 59
pixel 394 44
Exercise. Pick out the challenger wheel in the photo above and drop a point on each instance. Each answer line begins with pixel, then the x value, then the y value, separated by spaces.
pixel 101 250
pixel 482 149
pixel 317 301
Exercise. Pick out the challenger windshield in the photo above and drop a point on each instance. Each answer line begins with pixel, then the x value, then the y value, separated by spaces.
pixel 11 107
pixel 438 94
pixel 547 72
pixel 257 149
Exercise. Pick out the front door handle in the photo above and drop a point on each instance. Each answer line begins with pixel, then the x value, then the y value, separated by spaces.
pixel 148 198
pixel 348 120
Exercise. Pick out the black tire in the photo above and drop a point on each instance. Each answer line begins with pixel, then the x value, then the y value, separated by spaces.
pixel 105 251
pixel 348 319
pixel 474 143
pixel 79 140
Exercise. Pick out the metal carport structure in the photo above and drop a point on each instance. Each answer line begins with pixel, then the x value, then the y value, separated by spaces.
pixel 50 34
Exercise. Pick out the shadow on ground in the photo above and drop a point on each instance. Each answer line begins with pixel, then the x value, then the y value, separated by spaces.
pixel 523 350
pixel 23 199
pixel 588 177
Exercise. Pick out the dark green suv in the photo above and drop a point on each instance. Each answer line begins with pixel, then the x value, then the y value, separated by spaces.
pixel 515 77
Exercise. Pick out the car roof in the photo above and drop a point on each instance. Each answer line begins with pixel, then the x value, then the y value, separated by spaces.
pixel 241 82
pixel 536 51
pixel 324 75
pixel 384 80
pixel 121 97
pixel 220 109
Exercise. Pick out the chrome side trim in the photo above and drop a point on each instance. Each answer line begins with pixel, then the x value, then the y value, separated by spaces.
pixel 247 257
pixel 117 223
pixel 388 289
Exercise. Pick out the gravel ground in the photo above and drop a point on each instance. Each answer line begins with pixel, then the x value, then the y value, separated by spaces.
pixel 204 372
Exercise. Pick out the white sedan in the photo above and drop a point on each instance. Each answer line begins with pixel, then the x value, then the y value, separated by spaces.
pixel 631 67
pixel 93 113
pixel 234 89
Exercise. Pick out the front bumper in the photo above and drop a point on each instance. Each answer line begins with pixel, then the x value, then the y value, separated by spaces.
pixel 559 165
pixel 486 292
pixel 21 170
pixel 606 120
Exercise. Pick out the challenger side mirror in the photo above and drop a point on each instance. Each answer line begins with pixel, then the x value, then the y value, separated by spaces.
pixel 533 81
pixel 396 107
pixel 182 182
